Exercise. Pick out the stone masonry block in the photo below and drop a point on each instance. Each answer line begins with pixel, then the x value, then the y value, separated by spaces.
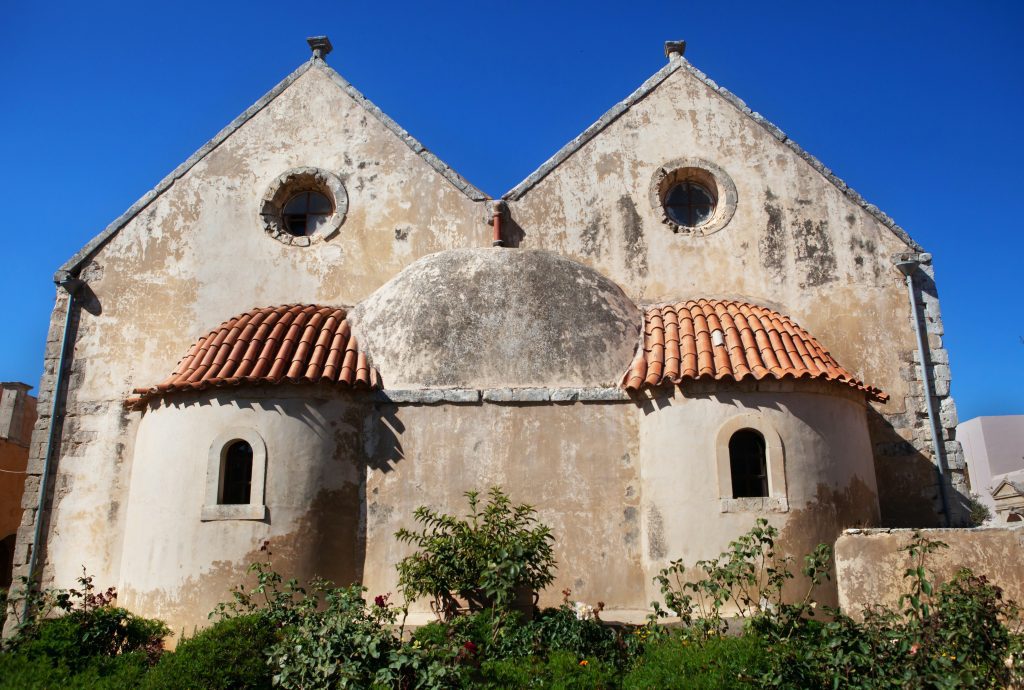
pixel 605 394
pixel 941 387
pixel 531 394
pixel 28 517
pixel 947 413
pixel 462 395
pixel 498 395
pixel 565 394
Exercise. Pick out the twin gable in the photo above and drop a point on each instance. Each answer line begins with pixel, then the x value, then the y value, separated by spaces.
pixel 678 192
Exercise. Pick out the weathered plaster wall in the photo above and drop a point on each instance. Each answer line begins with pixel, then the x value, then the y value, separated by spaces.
pixel 577 463
pixel 797 242
pixel 870 565
pixel 825 450
pixel 625 486
pixel 197 254
pixel 177 567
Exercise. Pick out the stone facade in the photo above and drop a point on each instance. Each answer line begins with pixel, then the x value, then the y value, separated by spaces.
pixel 195 251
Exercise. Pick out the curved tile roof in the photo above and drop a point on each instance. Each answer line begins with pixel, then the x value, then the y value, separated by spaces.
pixel 296 343
pixel 717 339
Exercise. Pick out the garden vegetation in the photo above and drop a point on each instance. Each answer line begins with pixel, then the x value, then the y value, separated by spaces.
pixel 722 623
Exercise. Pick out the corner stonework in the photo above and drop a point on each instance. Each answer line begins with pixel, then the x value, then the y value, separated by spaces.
pixel 913 425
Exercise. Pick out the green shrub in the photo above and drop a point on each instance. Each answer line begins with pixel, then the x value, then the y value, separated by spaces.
pixel 486 558
pixel 679 662
pixel 748 577
pixel 957 637
pixel 94 642
pixel 493 635
pixel 230 654
pixel 20 671
pixel 78 637
pixel 330 638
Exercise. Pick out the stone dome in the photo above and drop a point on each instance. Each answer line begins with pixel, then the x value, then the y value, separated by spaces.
pixel 492 318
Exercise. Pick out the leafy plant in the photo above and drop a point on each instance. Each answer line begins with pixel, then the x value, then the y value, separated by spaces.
pixel 487 558
pixel 273 597
pixel 559 671
pixel 747 580
pixel 91 626
pixel 338 641
pixel 957 636
pixel 232 653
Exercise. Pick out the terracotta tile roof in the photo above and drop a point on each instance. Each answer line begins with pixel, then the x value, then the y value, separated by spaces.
pixel 715 339
pixel 295 343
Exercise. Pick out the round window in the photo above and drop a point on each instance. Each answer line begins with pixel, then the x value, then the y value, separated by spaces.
pixel 303 206
pixel 306 212
pixel 689 204
pixel 695 197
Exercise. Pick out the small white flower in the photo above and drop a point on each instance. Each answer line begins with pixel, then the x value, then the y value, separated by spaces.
pixel 583 611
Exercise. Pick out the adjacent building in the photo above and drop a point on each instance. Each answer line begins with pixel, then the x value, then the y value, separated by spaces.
pixel 994 451
pixel 17 417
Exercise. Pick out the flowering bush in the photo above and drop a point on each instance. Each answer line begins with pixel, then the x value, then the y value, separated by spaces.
pixel 486 558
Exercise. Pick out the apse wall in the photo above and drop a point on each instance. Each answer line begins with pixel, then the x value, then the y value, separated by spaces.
pixel 184 553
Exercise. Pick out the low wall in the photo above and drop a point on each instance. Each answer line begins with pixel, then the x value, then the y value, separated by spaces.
pixel 870 565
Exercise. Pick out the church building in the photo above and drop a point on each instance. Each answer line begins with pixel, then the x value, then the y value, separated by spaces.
pixel 681 322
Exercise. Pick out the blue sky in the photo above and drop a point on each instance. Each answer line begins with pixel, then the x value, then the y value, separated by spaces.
pixel 915 104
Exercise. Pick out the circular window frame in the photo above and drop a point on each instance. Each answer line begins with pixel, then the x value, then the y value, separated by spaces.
pixel 294 182
pixel 704 173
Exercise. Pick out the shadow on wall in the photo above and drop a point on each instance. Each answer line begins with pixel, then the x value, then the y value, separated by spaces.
pixel 382 445
pixel 329 541
pixel 6 561
pixel 512 234
pixel 822 521
pixel 908 489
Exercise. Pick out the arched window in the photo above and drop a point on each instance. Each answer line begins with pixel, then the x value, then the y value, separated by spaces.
pixel 748 464
pixel 236 474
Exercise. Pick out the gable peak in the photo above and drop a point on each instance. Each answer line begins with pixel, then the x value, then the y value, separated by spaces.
pixel 320 45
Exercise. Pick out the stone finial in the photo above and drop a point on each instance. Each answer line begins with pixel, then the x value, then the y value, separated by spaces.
pixel 320 45
pixel 674 48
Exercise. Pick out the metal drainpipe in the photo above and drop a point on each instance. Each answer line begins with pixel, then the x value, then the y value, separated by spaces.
pixel 908 268
pixel 71 285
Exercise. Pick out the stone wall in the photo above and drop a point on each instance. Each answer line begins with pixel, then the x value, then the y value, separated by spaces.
pixel 870 565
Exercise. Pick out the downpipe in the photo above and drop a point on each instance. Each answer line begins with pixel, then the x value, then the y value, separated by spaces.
pixel 908 268
pixel 71 285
